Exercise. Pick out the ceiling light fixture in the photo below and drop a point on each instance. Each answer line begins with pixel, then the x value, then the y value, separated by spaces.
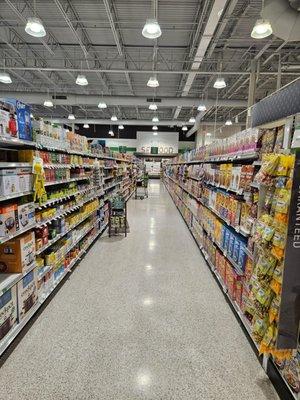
pixel 151 29
pixel 71 116
pixel 86 125
pixel 155 133
pixel 48 103
pixel 114 117
pixel 261 29
pixel 153 82
pixel 192 120
pixel 201 107
pixel 102 105
pixel 228 122
pixel 121 126
pixel 31 116
pixel 111 132
pixel 154 128
pixel 184 128
pixel 35 27
pixel 155 119
pixel 5 77
pixel 219 83
pixel 208 134
pixel 153 107
pixel 81 80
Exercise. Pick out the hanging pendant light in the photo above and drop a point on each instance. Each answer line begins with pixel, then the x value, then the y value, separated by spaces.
pixel 155 133
pixel 121 126
pixel 192 120
pixel 154 128
pixel 114 117
pixel 102 105
pixel 201 107
pixel 261 29
pixel 48 103
pixel 219 83
pixel 228 122
pixel 86 126
pixel 151 29
pixel 184 128
pixel 111 132
pixel 155 119
pixel 71 116
pixel 153 82
pixel 81 80
pixel 153 107
pixel 35 27
pixel 5 77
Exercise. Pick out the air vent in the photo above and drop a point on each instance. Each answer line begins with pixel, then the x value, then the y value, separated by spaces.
pixel 59 97
pixel 153 100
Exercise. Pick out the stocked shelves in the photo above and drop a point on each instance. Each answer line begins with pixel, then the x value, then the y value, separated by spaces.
pixel 58 200
pixel 238 229
pixel 80 178
pixel 112 185
pixel 68 166
pixel 15 142
pixel 8 339
pixel 15 195
pixel 4 239
pixel 237 157
pixel 14 165
pixel 10 279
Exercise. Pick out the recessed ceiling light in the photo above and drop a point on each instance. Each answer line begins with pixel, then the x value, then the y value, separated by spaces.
pixel 153 107
pixel 155 119
pixel 261 29
pixel 219 83
pixel 35 27
pixel 48 103
pixel 86 126
pixel 5 77
pixel 192 120
pixel 184 128
pixel 153 82
pixel 114 117
pixel 71 116
pixel 154 133
pixel 201 107
pixel 151 29
pixel 81 80
pixel 121 126
pixel 228 122
pixel 154 128
pixel 102 105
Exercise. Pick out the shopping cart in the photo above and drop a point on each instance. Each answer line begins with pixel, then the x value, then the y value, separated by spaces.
pixel 141 187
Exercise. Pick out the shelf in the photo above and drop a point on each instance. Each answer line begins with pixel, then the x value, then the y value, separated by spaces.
pixel 14 165
pixel 68 166
pixel 111 186
pixel 53 201
pixel 15 195
pixel 4 239
pixel 80 178
pixel 15 142
pixel 8 339
pixel 242 156
pixel 9 279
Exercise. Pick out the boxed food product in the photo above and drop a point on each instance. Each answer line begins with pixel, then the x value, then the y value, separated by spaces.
pixel 8 311
pixel 18 254
pixel 242 256
pixel 25 179
pixel 26 215
pixel 231 244
pixel 27 293
pixel 9 182
pixel 9 222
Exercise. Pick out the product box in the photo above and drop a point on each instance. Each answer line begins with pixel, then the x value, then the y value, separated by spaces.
pixel 27 293
pixel 9 182
pixel 231 244
pixel 18 254
pixel 4 123
pixel 9 222
pixel 26 215
pixel 8 311
pixel 242 256
pixel 25 179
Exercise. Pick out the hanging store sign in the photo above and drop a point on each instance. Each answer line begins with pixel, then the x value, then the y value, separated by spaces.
pixel 165 142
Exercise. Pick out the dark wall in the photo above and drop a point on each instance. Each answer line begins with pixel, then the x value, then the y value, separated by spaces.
pixel 129 131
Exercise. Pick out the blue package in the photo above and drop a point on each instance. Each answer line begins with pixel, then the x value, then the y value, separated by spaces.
pixel 226 240
pixel 223 236
pixel 236 249
pixel 242 256
pixel 231 244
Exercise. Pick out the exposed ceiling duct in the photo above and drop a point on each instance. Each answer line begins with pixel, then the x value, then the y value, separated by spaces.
pixel 206 37
pixel 284 17
pixel 92 100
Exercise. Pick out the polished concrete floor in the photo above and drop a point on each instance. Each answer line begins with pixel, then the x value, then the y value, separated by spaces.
pixel 140 318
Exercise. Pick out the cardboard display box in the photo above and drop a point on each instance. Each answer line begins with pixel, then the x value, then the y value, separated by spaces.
pixel 9 222
pixel 18 254
pixel 27 293
pixel 8 311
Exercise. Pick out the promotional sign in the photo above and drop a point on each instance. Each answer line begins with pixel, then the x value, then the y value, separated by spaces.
pixel 289 316
pixel 165 142
pixel 15 119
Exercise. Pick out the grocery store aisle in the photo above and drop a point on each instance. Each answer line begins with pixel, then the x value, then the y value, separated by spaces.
pixel 140 318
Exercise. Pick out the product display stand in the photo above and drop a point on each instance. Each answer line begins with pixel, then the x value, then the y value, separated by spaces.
pixel 54 204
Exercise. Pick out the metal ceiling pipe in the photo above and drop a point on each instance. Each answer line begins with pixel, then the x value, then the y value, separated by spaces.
pixel 126 101
pixel 140 71
pixel 95 121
